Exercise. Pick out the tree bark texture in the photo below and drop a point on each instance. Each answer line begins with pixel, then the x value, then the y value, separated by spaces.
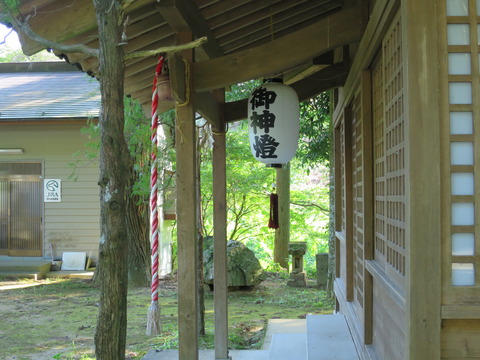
pixel 110 334
pixel 139 259
pixel 282 234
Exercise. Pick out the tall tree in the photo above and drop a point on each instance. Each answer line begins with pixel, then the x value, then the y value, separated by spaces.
pixel 317 145
pixel 137 135
pixel 110 334
pixel 282 234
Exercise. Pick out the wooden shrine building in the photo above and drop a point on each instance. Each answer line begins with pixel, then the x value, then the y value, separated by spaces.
pixel 406 75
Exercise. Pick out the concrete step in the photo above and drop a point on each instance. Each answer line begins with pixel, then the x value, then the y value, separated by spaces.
pixel 329 338
pixel 284 326
pixel 12 264
pixel 14 275
pixel 23 267
pixel 67 274
pixel 208 355
pixel 288 346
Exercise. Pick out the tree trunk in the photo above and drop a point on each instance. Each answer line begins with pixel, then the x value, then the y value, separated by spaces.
pixel 139 259
pixel 110 334
pixel 282 234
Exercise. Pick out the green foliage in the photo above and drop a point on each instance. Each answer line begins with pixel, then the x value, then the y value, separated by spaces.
pixel 91 150
pixel 8 55
pixel 7 9
pixel 315 131
pixel 242 90
pixel 249 184
pixel 137 135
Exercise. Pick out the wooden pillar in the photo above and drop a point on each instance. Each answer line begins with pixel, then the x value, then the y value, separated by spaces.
pixel 282 234
pixel 220 235
pixel 423 267
pixel 185 146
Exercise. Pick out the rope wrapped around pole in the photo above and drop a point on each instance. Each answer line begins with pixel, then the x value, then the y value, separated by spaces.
pixel 153 317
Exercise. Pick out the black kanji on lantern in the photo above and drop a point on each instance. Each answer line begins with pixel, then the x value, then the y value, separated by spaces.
pixel 262 97
pixel 265 146
pixel 262 121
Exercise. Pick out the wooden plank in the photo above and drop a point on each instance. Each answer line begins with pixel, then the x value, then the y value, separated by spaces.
pixel 387 285
pixel 381 17
pixel 185 145
pixel 183 15
pixel 248 32
pixel 220 235
pixel 420 39
pixel 313 66
pixel 210 108
pixel 368 308
pixel 461 312
pixel 348 203
pixel 338 29
pixel 460 339
pixel 76 18
pixel 388 338
pixel 368 205
pixel 338 175
pixel 177 77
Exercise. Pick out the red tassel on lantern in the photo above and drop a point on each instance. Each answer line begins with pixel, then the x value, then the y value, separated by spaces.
pixel 273 221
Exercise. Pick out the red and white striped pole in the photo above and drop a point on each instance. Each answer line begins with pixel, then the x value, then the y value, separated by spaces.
pixel 153 318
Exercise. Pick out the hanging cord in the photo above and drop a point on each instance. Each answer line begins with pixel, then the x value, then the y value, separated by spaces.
pixel 187 84
pixel 153 317
pixel 273 220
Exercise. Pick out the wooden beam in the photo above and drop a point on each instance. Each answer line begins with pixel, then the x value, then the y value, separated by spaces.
pixel 328 78
pixel 205 103
pixel 368 202
pixel 421 44
pixel 177 77
pixel 282 54
pixel 185 145
pixel 313 66
pixel 210 108
pixel 75 19
pixel 220 234
pixel 184 15
pixel 348 195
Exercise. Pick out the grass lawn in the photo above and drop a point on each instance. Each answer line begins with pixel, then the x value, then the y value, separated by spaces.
pixel 56 318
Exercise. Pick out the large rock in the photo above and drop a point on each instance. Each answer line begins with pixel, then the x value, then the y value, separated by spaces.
pixel 243 267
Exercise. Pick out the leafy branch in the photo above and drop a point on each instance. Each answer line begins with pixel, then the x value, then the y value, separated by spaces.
pixel 324 210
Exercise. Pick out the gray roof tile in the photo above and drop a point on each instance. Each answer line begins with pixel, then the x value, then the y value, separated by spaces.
pixel 48 95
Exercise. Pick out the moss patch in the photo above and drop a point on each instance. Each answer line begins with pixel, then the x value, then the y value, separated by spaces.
pixel 57 318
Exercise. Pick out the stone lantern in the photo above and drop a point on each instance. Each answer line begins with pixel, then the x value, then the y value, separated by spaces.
pixel 298 278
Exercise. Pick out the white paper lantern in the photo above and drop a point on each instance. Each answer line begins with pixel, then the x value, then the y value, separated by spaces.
pixel 273 123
